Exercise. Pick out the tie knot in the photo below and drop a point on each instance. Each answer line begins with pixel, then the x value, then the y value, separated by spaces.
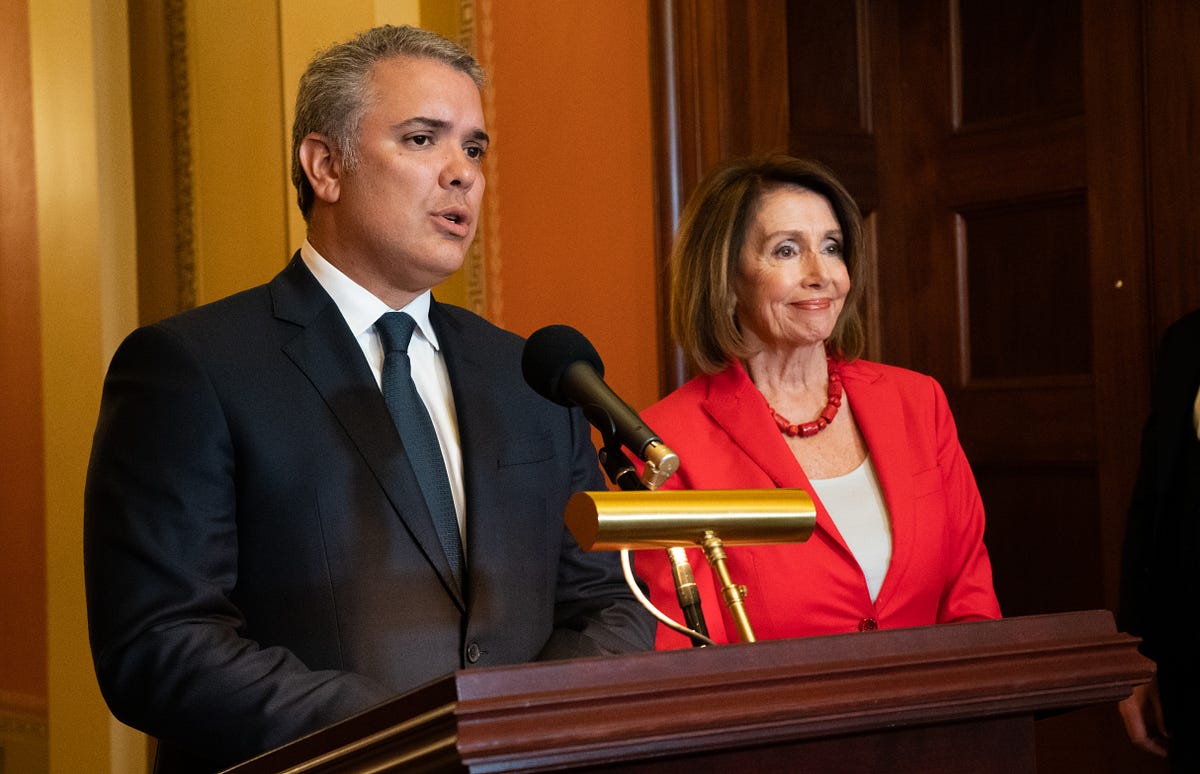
pixel 395 329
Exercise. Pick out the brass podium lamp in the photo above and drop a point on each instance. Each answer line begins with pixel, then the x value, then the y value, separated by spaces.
pixel 712 519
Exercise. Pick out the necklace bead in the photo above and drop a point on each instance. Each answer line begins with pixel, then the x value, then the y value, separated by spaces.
pixel 834 402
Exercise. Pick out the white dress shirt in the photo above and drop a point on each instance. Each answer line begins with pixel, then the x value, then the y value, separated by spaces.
pixel 361 309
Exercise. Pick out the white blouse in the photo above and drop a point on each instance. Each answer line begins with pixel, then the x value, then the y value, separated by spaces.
pixel 855 503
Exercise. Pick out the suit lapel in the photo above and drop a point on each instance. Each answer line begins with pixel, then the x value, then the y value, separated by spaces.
pixel 473 378
pixel 736 405
pixel 326 351
pixel 881 418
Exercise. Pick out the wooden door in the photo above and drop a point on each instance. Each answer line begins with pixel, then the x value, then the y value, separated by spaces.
pixel 992 277
pixel 1008 156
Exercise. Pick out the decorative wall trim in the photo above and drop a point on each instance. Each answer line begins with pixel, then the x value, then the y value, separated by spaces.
pixel 482 268
pixel 181 152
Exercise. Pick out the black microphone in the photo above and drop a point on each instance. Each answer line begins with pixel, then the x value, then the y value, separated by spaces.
pixel 561 365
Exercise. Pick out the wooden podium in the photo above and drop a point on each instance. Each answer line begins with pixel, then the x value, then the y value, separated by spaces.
pixel 951 698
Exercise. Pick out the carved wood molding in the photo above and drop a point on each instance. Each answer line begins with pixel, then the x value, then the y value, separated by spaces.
pixel 687 704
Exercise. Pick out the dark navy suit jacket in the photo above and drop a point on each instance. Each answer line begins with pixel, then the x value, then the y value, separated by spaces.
pixel 259 559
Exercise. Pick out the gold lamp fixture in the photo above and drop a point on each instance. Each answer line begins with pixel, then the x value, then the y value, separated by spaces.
pixel 711 519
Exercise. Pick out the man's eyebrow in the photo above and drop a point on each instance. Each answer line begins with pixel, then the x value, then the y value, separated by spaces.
pixel 425 122
pixel 422 121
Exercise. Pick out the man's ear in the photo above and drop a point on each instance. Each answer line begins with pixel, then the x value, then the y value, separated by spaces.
pixel 323 165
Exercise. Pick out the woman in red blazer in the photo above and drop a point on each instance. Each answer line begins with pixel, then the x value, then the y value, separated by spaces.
pixel 767 281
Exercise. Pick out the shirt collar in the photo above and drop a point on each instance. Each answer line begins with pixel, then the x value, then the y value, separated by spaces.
pixel 359 306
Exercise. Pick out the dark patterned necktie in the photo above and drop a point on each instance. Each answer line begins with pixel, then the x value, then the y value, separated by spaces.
pixel 417 433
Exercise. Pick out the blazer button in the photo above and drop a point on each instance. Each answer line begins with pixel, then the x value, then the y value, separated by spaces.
pixel 473 652
pixel 868 625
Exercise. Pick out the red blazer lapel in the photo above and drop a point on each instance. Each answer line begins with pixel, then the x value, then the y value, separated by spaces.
pixel 734 403
pixel 881 418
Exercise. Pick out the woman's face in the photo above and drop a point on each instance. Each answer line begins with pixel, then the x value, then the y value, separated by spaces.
pixel 791 279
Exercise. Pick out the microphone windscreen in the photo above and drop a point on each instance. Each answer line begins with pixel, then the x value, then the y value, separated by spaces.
pixel 547 355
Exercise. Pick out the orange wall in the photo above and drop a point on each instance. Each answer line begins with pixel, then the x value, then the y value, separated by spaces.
pixel 572 132
pixel 22 534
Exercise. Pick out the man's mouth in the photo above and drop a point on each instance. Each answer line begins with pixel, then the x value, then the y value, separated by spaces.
pixel 457 222
pixel 458 217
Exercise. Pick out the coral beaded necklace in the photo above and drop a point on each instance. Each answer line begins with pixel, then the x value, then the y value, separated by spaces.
pixel 809 429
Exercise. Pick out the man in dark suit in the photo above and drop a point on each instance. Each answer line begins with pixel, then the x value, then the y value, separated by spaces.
pixel 1159 576
pixel 262 557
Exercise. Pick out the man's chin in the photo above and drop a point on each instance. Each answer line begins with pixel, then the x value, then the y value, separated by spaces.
pixel 442 270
